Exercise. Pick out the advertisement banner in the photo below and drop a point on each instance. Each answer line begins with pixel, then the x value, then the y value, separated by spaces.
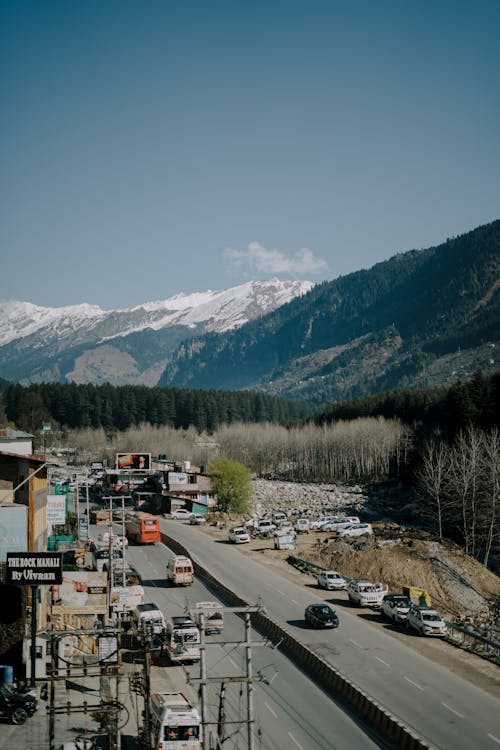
pixel 175 477
pixel 56 511
pixel 133 461
pixel 82 592
pixel 33 568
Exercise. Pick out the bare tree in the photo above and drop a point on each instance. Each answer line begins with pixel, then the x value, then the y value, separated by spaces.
pixel 433 475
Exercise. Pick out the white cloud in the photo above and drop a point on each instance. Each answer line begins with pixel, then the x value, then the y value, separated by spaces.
pixel 274 261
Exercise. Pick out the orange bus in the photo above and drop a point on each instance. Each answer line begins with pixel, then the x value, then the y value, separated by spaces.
pixel 143 528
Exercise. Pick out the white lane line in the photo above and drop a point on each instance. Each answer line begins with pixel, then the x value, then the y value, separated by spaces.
pixel 296 602
pixel 233 663
pixel 382 661
pixel 453 711
pixel 271 710
pixel 294 740
pixel 414 683
pixel 356 643
pixel 495 739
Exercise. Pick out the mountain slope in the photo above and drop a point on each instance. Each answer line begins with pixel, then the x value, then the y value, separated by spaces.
pixel 420 318
pixel 84 343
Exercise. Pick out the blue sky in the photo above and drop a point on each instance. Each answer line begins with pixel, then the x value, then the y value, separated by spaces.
pixel 149 148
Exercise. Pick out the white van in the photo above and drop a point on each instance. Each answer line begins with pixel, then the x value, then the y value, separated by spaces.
pixel 176 722
pixel 180 571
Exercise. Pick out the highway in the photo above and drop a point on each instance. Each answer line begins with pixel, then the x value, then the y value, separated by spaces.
pixel 441 707
pixel 289 712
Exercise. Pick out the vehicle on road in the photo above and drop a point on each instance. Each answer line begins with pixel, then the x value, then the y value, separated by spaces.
pixel 426 621
pixel 175 722
pixel 180 571
pixel 116 540
pixel 331 580
pixel 365 593
pixel 16 706
pixel 238 535
pixel 213 616
pixel 182 639
pixel 321 616
pixel 181 513
pixel 148 622
pixel 395 607
pixel 356 529
pixel 197 519
pixel 101 558
pixel 143 528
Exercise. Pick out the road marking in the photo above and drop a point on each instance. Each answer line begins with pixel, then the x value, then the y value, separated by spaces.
pixel 356 643
pixel 294 740
pixel 296 602
pixel 271 710
pixel 495 739
pixel 414 683
pixel 453 711
pixel 233 663
pixel 382 661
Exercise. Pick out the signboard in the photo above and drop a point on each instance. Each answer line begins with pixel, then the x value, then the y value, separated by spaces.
pixel 133 461
pixel 56 511
pixel 108 649
pixel 83 592
pixel 177 478
pixel 126 598
pixel 83 527
pixel 61 489
pixel 33 568
pixel 46 427
pixel 13 529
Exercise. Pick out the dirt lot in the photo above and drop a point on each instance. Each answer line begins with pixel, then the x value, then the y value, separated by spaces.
pixel 458 585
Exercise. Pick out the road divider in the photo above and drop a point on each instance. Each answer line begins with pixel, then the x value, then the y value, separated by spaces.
pixel 343 690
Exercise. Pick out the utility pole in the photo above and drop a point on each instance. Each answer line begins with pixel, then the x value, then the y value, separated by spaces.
pixel 203 680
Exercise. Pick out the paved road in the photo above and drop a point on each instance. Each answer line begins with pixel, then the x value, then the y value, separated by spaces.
pixel 290 712
pixel 445 709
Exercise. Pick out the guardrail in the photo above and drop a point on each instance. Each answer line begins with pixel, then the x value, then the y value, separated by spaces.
pixel 457 635
pixel 394 732
pixel 473 642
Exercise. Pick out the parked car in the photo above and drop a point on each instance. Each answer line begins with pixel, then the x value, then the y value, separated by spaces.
pixel 181 513
pixel 16 706
pixel 197 519
pixel 319 522
pixel 302 525
pixel 331 580
pixel 356 529
pixel 340 522
pixel 426 621
pixel 395 607
pixel 264 528
pixel 238 535
pixel 321 616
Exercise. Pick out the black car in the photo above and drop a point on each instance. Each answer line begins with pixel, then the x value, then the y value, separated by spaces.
pixel 16 706
pixel 321 616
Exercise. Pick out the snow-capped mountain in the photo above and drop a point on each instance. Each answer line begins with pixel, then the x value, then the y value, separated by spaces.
pixel 84 343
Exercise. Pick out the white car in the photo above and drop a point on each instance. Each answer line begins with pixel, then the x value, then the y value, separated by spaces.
pixel 331 580
pixel 356 529
pixel 197 519
pixel 181 513
pixel 319 522
pixel 117 540
pixel 395 607
pixel 340 522
pixel 426 621
pixel 238 535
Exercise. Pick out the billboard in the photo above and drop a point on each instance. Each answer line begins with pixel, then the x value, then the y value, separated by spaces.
pixel 13 529
pixel 33 568
pixel 82 592
pixel 133 461
pixel 56 511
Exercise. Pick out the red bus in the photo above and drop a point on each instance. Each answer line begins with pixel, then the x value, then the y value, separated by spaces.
pixel 143 528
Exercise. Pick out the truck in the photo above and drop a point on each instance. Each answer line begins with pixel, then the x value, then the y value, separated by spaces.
pixel 182 640
pixel 180 571
pixel 285 539
pixel 213 616
pixel 365 593
pixel 148 621
pixel 175 722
